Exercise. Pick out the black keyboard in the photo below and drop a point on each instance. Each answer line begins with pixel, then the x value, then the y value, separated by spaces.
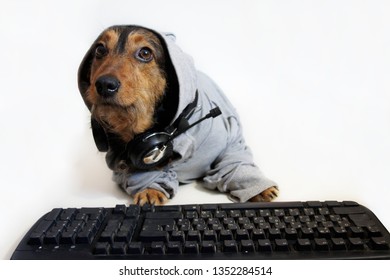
pixel 276 230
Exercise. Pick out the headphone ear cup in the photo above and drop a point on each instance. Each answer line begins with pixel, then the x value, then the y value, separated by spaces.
pixel 99 135
pixel 150 150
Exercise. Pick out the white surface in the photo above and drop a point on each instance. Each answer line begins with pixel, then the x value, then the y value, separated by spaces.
pixel 310 79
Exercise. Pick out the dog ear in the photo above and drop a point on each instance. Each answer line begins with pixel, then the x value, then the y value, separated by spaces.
pixel 170 101
pixel 99 135
pixel 84 73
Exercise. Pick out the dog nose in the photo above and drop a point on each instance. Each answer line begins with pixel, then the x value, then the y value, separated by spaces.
pixel 107 86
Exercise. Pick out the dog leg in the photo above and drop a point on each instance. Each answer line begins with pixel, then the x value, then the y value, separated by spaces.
pixel 266 196
pixel 150 196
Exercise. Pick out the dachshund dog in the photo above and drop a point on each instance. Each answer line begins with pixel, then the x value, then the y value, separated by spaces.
pixel 136 83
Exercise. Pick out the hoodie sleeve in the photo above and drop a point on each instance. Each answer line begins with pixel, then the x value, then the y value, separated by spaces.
pixel 164 181
pixel 234 171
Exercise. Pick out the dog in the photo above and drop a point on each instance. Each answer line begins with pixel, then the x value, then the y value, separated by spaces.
pixel 161 122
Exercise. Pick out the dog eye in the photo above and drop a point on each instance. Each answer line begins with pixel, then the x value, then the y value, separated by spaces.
pixel 100 51
pixel 144 54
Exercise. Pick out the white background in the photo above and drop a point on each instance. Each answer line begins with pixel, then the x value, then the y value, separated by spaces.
pixel 309 78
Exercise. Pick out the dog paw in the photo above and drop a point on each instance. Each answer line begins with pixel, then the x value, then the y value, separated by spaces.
pixel 150 196
pixel 266 196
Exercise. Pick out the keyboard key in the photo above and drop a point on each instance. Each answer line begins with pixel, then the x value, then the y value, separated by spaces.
pixel 249 227
pixel 149 236
pixel 43 226
pixel 356 231
pixel 355 243
pixel 379 243
pixel 314 204
pixel 193 235
pixel 133 211
pixel 242 234
pixel 205 214
pixel 164 215
pixel 120 209
pixel 350 203
pixel 265 245
pixel 82 217
pixel 118 248
pixel 84 237
pixel 258 234
pixel 304 219
pixel 157 247
pixel 230 246
pixel 168 208
pixel 307 233
pixel 174 248
pixel 226 235
pixel 195 208
pixel 323 211
pixel 338 244
pixel 303 244
pixel 265 213
pixel 147 208
pixel 349 210
pixel 291 233
pixel 262 205
pixel 321 244
pixel 249 213
pixel 68 214
pixel 308 211
pixel 136 248
pixel 68 237
pixel 274 233
pixel 160 222
pixel 294 212
pixel 208 247
pixel 191 215
pixel 274 220
pixel 279 212
pixel 53 214
pixel 332 203
pixel 247 246
pixel 177 236
pixel 373 231
pixel 281 245
pixel 191 247
pixel 123 235
pixel 234 213
pixel 210 235
pixel 340 232
pixel 36 238
pixel 220 214
pixel 324 232
pixel 102 248
pixel 107 235
pixel 319 218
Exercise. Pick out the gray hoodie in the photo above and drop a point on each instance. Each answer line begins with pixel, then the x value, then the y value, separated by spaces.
pixel 213 152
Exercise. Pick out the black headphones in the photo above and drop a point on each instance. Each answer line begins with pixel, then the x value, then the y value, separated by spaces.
pixel 152 148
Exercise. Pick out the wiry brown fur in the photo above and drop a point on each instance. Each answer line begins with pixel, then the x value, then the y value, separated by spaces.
pixel 131 111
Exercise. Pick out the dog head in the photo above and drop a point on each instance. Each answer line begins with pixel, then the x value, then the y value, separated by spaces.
pixel 126 81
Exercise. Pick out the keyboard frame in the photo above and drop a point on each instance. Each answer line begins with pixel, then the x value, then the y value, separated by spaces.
pixel 79 252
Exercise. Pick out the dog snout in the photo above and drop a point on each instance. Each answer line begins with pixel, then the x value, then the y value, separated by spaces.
pixel 107 86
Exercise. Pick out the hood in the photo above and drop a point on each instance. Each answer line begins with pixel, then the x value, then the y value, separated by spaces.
pixel 185 71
